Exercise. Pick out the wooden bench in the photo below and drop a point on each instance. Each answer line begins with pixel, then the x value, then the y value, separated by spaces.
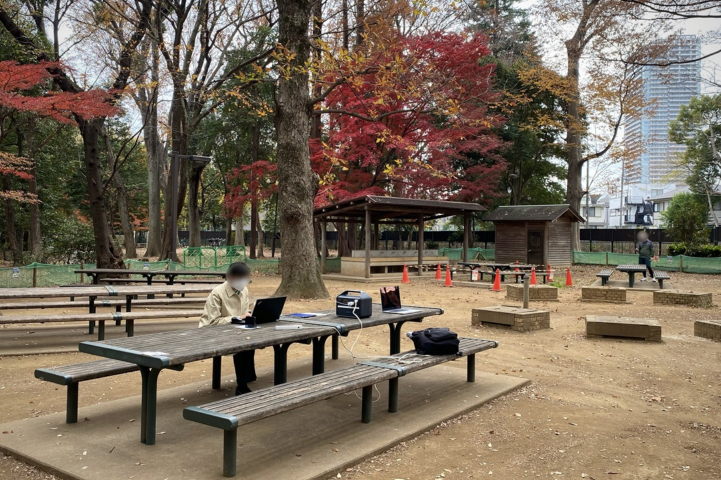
pixel 177 281
pixel 71 376
pixel 230 413
pixel 660 276
pixel 101 318
pixel 117 304
pixel 604 275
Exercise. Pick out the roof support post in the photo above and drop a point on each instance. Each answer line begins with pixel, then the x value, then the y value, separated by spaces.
pixel 420 244
pixel 368 243
pixel 466 219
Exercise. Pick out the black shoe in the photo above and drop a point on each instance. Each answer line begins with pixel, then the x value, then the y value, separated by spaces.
pixel 241 389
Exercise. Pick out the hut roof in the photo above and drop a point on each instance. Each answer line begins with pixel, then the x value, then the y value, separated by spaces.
pixel 522 213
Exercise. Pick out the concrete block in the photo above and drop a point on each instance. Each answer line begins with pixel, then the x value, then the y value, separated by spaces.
pixel 678 297
pixel 710 329
pixel 536 293
pixel 603 294
pixel 646 328
pixel 519 319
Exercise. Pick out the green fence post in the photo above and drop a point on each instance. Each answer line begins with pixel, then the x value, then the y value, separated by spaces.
pixel 35 277
pixel 680 263
pixel 607 259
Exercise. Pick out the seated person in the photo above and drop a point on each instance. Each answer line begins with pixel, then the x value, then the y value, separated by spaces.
pixel 226 302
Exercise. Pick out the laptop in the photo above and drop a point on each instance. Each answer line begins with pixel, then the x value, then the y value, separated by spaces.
pixel 391 301
pixel 267 310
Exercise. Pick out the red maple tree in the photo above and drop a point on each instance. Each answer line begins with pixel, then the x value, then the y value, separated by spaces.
pixel 415 123
pixel 249 183
pixel 25 88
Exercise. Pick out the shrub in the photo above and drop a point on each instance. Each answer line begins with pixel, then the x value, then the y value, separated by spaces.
pixel 705 250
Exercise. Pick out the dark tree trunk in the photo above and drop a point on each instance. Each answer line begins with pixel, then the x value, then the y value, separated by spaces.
pixel 106 254
pixel 574 138
pixel 254 229
pixel 228 231
pixel 360 22
pixel 15 246
pixel 239 231
pixel 121 198
pixel 196 174
pixel 259 233
pixel 35 238
pixel 178 126
pixel 297 183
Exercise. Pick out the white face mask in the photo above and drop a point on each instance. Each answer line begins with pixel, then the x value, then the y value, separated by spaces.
pixel 240 284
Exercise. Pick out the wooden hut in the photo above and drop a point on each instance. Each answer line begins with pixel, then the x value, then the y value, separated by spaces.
pixel 534 234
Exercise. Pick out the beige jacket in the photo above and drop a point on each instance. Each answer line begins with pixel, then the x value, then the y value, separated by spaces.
pixel 223 303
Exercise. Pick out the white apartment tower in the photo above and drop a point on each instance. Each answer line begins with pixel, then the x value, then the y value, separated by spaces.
pixel 669 88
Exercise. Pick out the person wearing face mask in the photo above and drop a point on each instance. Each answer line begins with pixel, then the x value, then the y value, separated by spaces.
pixel 226 303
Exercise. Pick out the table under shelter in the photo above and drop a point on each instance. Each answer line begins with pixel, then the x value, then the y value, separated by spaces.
pixel 372 211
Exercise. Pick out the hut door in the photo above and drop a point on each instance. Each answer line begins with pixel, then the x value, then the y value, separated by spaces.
pixel 535 247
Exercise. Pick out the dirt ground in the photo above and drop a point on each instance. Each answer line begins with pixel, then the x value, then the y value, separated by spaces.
pixel 597 408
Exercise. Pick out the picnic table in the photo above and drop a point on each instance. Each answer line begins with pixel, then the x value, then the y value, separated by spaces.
pixel 505 268
pixel 632 270
pixel 156 352
pixel 95 273
pixel 93 292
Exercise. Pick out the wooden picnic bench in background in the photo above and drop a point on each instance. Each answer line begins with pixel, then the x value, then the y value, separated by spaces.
pixel 117 304
pixel 96 274
pixel 228 414
pixel 93 292
pixel 101 318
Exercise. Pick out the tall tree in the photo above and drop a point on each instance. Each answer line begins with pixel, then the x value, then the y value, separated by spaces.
pixel 297 183
pixel 604 39
pixel 107 256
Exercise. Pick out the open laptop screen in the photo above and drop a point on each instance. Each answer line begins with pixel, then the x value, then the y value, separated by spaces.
pixel 390 298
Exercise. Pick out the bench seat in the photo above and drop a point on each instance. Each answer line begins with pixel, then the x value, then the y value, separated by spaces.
pixel 117 304
pixel 228 414
pixel 101 318
pixel 177 281
pixel 660 276
pixel 604 275
pixel 71 376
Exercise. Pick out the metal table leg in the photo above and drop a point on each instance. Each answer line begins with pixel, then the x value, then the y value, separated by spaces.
pixel 149 404
pixel 280 374
pixel 395 331
pixel 319 354
pixel 101 330
pixel 91 309
pixel 367 404
pixel 149 279
pixel 334 347
pixel 217 362
pixel 631 279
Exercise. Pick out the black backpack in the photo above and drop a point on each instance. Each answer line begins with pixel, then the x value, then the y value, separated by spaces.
pixel 435 341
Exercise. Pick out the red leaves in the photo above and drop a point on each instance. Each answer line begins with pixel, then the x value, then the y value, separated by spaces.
pixel 416 126
pixel 16 80
pixel 249 183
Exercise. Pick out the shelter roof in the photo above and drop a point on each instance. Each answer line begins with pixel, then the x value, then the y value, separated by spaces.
pixel 534 213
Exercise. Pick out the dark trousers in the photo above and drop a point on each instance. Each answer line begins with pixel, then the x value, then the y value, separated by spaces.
pixel 244 363
pixel 646 261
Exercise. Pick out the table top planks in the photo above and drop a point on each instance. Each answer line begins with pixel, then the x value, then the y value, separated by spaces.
pixel 101 291
pixel 631 268
pixel 164 349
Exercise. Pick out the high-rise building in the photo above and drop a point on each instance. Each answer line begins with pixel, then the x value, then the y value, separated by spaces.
pixel 668 88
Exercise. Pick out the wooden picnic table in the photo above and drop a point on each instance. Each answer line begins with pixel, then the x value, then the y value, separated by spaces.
pixel 93 292
pixel 505 268
pixel 95 273
pixel 156 352
pixel 632 270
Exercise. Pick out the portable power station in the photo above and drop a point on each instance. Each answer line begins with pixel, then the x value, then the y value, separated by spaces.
pixel 354 303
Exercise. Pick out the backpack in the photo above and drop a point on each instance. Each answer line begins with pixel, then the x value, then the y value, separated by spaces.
pixel 435 341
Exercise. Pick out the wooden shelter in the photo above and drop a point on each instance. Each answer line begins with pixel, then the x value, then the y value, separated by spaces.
pixel 534 234
pixel 373 211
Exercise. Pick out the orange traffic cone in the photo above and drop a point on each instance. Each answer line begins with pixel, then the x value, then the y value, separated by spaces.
pixel 497 281
pixel 550 273
pixel 438 272
pixel 405 274
pixel 449 282
pixel 533 275
pixel 569 280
